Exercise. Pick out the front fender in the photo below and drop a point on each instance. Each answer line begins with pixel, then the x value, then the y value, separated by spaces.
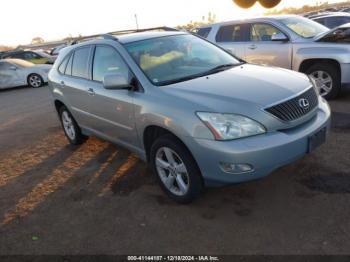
pixel 339 54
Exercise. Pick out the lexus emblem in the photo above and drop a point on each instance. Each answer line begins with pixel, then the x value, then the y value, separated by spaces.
pixel 304 103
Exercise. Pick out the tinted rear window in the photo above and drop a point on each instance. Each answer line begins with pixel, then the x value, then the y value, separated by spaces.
pixel 80 62
pixel 230 33
pixel 63 65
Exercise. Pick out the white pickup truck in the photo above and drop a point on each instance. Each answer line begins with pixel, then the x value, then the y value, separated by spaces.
pixel 291 42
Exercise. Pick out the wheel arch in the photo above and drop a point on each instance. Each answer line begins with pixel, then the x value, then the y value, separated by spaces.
pixel 307 63
pixel 152 132
pixel 58 104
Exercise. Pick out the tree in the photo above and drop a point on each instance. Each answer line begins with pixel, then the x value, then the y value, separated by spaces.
pixel 37 40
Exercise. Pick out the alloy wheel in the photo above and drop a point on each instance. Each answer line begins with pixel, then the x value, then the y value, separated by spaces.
pixel 172 171
pixel 35 81
pixel 68 125
pixel 324 82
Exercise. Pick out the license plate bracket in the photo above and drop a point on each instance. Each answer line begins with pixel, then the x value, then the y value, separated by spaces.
pixel 317 139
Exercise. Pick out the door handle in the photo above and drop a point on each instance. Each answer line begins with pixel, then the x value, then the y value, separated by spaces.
pixel 252 47
pixel 91 91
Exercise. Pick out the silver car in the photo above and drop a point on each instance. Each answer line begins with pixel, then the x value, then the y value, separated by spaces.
pixel 17 72
pixel 291 42
pixel 197 114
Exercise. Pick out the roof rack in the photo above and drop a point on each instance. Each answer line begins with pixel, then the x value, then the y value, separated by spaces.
pixel 129 31
pixel 111 35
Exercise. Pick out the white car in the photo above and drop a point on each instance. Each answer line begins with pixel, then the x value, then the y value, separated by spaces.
pixel 17 72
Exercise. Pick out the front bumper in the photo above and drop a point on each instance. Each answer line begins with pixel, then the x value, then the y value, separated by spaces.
pixel 345 76
pixel 265 152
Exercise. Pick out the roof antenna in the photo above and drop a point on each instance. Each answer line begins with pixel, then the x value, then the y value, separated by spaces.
pixel 137 23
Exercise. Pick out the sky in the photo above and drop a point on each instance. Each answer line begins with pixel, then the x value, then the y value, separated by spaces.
pixel 52 20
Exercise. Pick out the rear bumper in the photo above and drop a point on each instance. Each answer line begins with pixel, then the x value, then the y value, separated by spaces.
pixel 264 152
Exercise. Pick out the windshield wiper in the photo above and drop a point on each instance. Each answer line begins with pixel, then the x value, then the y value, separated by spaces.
pixel 210 71
pixel 221 68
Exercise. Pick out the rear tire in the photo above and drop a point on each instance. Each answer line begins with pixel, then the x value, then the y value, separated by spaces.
pixel 35 81
pixel 178 175
pixel 320 72
pixel 70 127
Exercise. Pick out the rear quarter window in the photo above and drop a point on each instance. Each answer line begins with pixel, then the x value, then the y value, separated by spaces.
pixel 203 32
pixel 63 65
pixel 80 62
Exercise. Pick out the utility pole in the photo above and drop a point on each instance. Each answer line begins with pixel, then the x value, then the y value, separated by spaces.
pixel 137 24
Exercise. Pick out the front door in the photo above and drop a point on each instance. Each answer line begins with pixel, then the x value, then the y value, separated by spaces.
pixel 112 111
pixel 261 49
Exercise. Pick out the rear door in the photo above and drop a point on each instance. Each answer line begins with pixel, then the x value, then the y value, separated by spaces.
pixel 75 82
pixel 263 50
pixel 112 111
pixel 233 38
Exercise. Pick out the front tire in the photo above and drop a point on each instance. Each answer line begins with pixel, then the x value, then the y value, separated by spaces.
pixel 176 170
pixel 35 81
pixel 70 127
pixel 327 78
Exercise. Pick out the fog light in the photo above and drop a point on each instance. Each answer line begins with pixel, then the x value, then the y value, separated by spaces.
pixel 235 168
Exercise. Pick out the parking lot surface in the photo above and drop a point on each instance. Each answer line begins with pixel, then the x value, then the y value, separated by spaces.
pixel 98 198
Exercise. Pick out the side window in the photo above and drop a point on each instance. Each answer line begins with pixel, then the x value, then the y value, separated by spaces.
pixel 332 22
pixel 80 62
pixel 203 32
pixel 18 55
pixel 30 55
pixel 107 61
pixel 63 65
pixel 68 70
pixel 230 33
pixel 321 21
pixel 262 32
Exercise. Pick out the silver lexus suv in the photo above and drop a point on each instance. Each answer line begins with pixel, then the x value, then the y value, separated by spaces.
pixel 197 114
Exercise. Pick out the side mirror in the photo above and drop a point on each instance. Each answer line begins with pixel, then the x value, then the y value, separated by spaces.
pixel 116 81
pixel 279 37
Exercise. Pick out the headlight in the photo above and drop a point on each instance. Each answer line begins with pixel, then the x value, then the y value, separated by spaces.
pixel 315 85
pixel 230 126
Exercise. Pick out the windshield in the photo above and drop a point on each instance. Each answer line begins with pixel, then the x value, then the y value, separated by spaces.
pixel 168 59
pixel 304 27
pixel 22 63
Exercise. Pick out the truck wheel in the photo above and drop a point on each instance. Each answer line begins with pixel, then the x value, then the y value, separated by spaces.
pixel 245 3
pixel 327 79
pixel 176 170
pixel 269 3
pixel 70 127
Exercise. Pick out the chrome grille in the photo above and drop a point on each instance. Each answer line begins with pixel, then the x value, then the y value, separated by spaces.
pixel 291 110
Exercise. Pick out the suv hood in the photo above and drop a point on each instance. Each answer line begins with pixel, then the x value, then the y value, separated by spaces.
pixel 250 85
pixel 340 34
